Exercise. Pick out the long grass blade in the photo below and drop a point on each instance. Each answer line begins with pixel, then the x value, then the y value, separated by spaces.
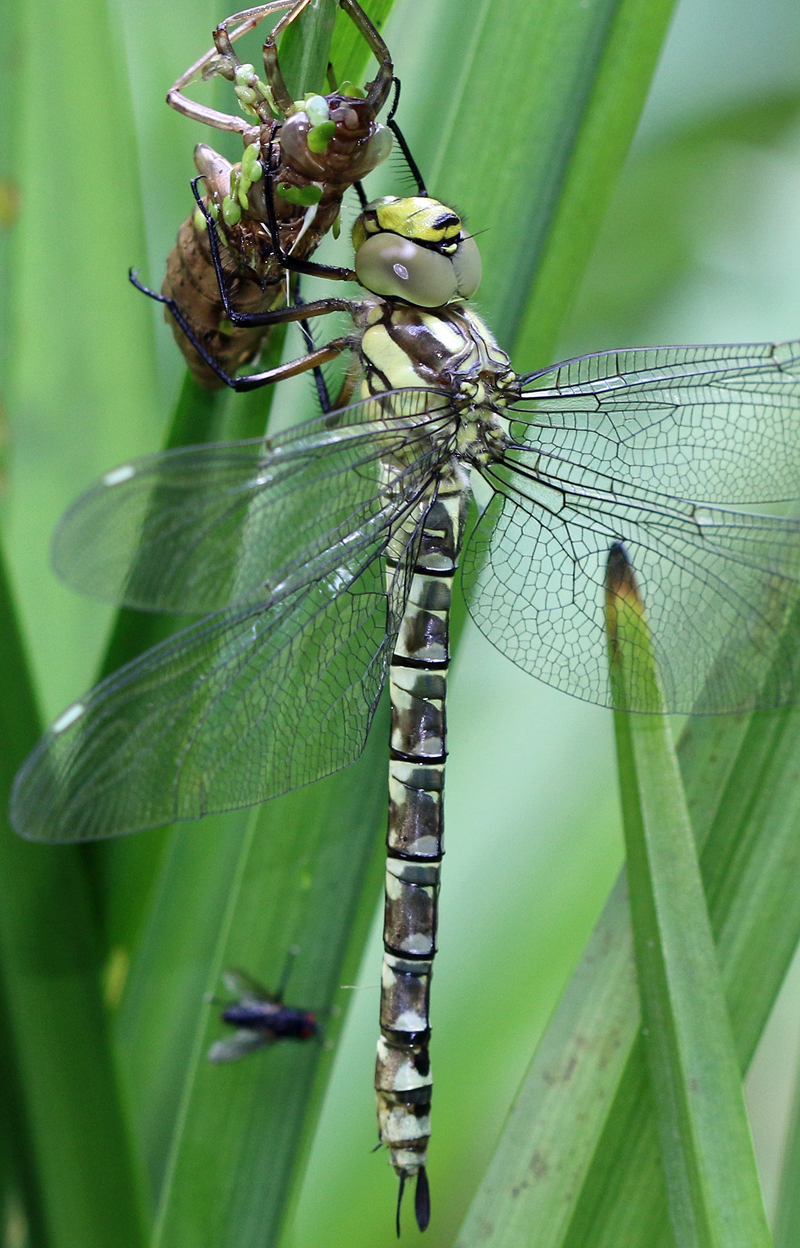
pixel 71 1154
pixel 622 44
pixel 707 1152
pixel 21 1205
pixel 524 123
pixel 10 87
pixel 740 777
pixel 350 56
pixel 82 390
pixel 787 1218
pixel 63 1084
pixel 602 1186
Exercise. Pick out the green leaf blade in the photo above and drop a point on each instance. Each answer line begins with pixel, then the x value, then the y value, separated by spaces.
pixel 585 1050
pixel 604 1188
pixel 306 47
pixel 739 775
pixel 787 1215
pixel 73 1151
pixel 714 1192
pixel 350 56
pixel 626 46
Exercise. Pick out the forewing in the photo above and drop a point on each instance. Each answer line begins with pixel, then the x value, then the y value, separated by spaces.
pixel 240 1044
pixel 244 988
pixel 234 710
pixel 199 528
pixel 718 423
pixel 637 447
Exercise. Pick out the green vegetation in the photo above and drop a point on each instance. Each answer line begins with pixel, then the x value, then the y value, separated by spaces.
pixel 115 1130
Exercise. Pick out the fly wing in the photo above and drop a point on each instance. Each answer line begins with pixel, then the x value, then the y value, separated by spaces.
pixel 199 528
pixel 245 989
pixel 240 1044
pixel 236 709
pixel 642 457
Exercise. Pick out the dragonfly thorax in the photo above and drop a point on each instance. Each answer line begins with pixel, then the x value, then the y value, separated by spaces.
pixel 448 349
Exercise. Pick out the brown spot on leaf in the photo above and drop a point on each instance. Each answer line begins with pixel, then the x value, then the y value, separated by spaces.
pixel 569 1070
pixel 9 203
pixel 539 1165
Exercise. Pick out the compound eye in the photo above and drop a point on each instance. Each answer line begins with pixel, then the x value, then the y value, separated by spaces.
pixel 467 264
pixel 399 269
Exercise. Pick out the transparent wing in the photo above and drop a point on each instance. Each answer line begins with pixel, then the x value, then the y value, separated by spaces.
pixel 718 423
pixel 199 528
pixel 245 989
pixel 719 586
pixel 238 708
pixel 240 1044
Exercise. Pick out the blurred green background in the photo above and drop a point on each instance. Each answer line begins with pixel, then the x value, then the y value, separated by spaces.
pixel 701 243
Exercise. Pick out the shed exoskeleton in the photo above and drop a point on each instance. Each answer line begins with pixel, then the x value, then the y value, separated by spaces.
pixel 316 147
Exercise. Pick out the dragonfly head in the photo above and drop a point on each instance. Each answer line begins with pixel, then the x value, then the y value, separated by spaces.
pixel 415 249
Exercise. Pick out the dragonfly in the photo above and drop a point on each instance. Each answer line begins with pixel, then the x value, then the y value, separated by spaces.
pixel 322 562
pixel 317 148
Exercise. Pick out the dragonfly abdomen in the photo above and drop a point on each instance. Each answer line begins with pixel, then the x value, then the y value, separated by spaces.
pixel 417 685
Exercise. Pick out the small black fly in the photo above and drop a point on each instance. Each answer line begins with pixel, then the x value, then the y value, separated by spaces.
pixel 260 1017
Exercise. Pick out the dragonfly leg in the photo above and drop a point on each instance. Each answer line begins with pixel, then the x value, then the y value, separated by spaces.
pixel 253 381
pixel 403 145
pixel 291 954
pixel 334 272
pixel 358 187
pixel 275 316
pixel 323 394
pixel 210 63
pixel 272 69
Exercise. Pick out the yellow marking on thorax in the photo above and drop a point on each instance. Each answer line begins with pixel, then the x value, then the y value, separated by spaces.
pixel 445 333
pixel 381 351
pixel 492 352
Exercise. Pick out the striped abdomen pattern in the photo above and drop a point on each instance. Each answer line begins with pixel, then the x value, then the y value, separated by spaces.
pixel 418 679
